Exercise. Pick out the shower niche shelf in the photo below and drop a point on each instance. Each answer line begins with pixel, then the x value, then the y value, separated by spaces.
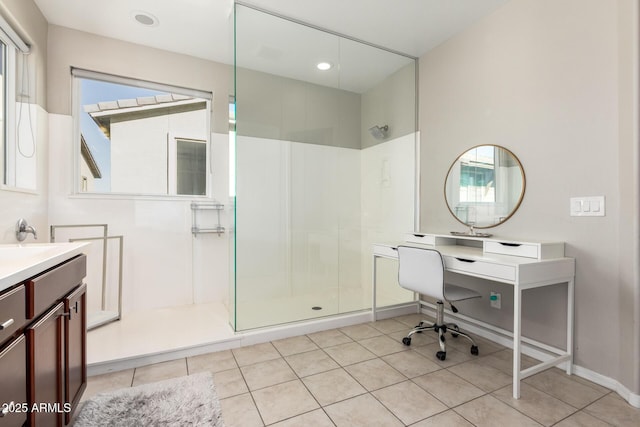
pixel 206 206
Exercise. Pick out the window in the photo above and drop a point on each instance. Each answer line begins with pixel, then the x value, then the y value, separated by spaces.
pixel 17 138
pixel 3 103
pixel 18 161
pixel 139 137
pixel 190 166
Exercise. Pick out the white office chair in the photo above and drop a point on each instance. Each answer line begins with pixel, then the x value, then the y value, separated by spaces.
pixel 422 270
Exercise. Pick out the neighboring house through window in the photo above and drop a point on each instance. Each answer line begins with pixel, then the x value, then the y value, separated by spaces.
pixel 89 169
pixel 145 138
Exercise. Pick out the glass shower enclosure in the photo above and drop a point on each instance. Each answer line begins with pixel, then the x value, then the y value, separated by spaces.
pixel 324 154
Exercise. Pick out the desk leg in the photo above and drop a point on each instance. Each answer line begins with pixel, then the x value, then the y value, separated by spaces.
pixel 373 281
pixel 517 317
pixel 570 295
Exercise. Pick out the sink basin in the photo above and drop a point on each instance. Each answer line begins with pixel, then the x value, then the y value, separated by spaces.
pixel 19 262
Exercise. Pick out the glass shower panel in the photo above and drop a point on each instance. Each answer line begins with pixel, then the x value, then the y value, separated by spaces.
pixel 287 114
pixel 312 183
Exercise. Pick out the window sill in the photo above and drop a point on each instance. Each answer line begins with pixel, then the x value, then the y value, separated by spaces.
pixel 151 197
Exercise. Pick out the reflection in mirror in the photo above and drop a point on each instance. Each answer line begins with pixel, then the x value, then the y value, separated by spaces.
pixel 485 186
pixel 140 139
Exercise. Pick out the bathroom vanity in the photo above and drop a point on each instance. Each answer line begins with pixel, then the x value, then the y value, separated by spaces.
pixel 42 333
pixel 521 264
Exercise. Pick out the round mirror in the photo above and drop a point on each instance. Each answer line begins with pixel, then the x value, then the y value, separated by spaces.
pixel 484 186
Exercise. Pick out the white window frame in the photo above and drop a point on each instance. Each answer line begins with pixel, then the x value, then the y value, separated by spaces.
pixel 9 129
pixel 13 43
pixel 78 74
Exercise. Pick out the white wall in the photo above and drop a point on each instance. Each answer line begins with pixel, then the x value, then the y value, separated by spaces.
pixel 160 252
pixel 31 205
pixel 164 265
pixel 297 219
pixel 388 185
pixel 307 216
pixel 550 80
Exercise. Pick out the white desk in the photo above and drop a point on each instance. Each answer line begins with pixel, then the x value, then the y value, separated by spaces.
pixel 525 265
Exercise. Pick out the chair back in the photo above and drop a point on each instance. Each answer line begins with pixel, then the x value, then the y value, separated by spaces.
pixel 421 270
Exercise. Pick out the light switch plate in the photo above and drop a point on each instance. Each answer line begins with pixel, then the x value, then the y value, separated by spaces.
pixel 587 206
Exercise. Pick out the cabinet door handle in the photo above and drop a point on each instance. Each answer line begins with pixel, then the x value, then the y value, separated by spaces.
pixel 5 409
pixel 6 324
pixel 75 307
pixel 513 245
pixel 466 260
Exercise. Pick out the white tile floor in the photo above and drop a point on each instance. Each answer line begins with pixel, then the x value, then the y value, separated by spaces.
pixel 360 376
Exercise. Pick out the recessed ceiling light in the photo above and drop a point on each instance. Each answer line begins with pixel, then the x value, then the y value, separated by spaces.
pixel 144 18
pixel 324 66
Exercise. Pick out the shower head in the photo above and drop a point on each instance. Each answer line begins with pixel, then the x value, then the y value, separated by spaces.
pixel 379 132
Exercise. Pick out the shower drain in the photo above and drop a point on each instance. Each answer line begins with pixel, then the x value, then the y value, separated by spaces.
pixel 316 308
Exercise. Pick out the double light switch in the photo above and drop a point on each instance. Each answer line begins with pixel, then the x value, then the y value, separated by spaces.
pixel 587 206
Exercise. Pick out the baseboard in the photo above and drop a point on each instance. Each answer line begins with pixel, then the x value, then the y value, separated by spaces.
pixel 632 398
pixel 490 334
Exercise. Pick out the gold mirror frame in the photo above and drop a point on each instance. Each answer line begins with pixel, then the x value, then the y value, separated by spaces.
pixel 508 212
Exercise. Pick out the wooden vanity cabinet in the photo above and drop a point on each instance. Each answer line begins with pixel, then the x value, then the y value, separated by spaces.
pixel 13 391
pixel 75 351
pixel 45 339
pixel 45 358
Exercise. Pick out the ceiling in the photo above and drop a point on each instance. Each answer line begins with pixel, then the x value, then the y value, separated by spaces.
pixel 195 27
pixel 204 29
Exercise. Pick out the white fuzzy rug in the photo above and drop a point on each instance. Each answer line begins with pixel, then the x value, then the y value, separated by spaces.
pixel 184 401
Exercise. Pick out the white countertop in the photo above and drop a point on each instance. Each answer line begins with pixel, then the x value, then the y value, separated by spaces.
pixel 19 262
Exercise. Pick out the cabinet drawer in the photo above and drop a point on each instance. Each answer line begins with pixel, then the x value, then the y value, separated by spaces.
pixel 12 312
pixel 429 239
pixel 13 374
pixel 44 290
pixel 425 239
pixel 481 268
pixel 517 249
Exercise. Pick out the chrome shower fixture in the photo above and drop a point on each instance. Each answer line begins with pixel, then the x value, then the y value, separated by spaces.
pixel 379 132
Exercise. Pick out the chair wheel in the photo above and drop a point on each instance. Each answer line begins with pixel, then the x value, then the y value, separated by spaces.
pixel 454 334
pixel 406 341
pixel 441 355
pixel 474 350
